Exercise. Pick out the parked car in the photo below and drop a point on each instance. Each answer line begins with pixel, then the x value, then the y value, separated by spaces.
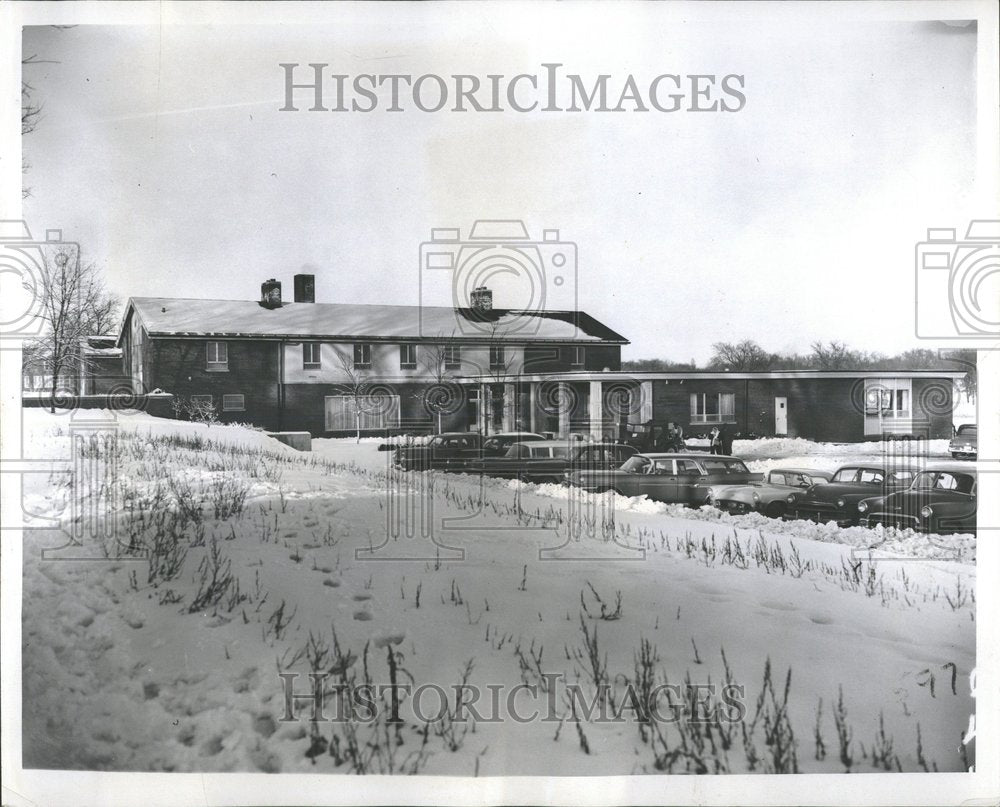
pixel 672 478
pixel 769 496
pixel 455 449
pixel 965 444
pixel 837 500
pixel 942 500
pixel 550 460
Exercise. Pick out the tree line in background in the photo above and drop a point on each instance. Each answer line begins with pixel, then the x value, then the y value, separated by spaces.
pixel 749 356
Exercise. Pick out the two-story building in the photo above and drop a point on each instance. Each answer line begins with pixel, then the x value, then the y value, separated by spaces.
pixel 329 368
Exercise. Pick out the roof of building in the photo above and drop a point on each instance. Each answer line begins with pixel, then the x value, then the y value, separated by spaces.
pixel 237 319
pixel 720 375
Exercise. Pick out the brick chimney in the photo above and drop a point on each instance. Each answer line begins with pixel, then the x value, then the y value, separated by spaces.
pixel 270 294
pixel 305 288
pixel 481 299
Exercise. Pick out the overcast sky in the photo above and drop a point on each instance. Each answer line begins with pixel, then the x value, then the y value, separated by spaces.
pixel 163 152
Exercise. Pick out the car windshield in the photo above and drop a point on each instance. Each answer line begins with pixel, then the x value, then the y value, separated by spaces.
pixel 725 466
pixel 933 480
pixel 436 441
pixel 968 430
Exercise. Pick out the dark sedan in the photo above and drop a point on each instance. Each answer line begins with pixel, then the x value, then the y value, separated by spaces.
pixel 672 478
pixel 838 499
pixel 550 460
pixel 454 450
pixel 965 444
pixel 942 500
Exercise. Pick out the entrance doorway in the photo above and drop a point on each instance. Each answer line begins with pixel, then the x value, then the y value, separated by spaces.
pixel 780 417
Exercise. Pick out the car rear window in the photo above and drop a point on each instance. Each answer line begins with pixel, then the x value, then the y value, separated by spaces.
pixel 968 430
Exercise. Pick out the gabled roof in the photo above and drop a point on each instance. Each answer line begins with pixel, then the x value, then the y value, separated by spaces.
pixel 239 319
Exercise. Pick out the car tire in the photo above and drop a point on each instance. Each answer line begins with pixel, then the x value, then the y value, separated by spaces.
pixel 775 510
pixel 524 479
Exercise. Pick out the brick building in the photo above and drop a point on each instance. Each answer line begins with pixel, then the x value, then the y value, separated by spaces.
pixel 332 368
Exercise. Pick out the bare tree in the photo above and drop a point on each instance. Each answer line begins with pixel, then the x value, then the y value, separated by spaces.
pixel 746 355
pixel 500 366
pixel 31 110
pixel 367 397
pixel 74 303
pixel 442 393
pixel 833 355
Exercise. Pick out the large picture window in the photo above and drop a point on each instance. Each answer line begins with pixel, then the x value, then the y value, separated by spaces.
pixel 708 407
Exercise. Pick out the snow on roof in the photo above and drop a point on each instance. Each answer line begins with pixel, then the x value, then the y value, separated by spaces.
pixel 165 316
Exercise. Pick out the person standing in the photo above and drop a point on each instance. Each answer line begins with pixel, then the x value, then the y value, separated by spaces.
pixel 715 442
pixel 726 440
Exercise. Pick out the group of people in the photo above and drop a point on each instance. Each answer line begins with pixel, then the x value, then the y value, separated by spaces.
pixel 650 437
pixel 721 440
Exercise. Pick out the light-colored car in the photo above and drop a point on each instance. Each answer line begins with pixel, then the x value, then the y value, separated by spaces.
pixel 769 496
pixel 965 444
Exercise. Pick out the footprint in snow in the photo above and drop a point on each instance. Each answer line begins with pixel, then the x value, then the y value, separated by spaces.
pixel 363 616
pixel 362 596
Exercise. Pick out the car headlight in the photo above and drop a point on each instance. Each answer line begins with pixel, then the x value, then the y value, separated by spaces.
pixel 841 502
pixel 862 507
pixel 756 497
pixel 791 498
pixel 926 511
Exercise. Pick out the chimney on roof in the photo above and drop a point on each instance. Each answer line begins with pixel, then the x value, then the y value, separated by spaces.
pixel 270 294
pixel 305 288
pixel 481 299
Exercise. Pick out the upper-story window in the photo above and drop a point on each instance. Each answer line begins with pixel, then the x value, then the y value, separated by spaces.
pixel 497 357
pixel 362 357
pixel 452 357
pixel 311 356
pixel 217 356
pixel 576 356
pixel 407 356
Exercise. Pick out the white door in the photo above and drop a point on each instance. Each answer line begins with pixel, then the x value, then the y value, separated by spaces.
pixel 781 416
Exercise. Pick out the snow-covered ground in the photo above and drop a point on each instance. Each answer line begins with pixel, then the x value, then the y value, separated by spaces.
pixel 238 560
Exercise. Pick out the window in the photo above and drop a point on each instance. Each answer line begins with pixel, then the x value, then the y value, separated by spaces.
pixel 407 356
pixel 362 356
pixel 201 399
pixel 687 467
pixel 576 356
pixel 452 357
pixel 217 357
pixel 310 356
pixel 233 403
pixel 497 361
pixel 869 477
pixel 713 408
pixel 725 467
pixel 779 479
